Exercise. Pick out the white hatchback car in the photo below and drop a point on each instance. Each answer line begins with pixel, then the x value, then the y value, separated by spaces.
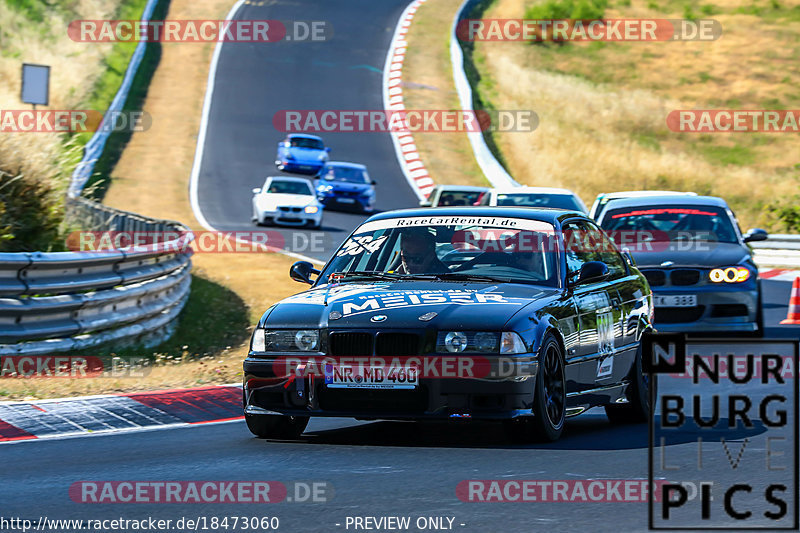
pixel 289 201
pixel 534 197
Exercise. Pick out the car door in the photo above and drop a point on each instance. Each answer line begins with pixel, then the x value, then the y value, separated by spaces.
pixel 597 304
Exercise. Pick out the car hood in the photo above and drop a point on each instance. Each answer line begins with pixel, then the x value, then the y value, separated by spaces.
pixel 266 201
pixel 408 304
pixel 343 186
pixel 701 254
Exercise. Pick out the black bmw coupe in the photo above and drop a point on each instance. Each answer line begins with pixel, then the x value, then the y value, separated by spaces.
pixel 525 316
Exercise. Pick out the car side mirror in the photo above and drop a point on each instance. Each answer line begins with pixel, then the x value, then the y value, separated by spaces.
pixel 301 271
pixel 373 182
pixel 256 190
pixel 592 272
pixel 755 234
pixel 328 149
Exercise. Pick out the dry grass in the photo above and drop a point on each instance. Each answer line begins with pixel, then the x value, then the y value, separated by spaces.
pixel 602 110
pixel 74 69
pixel 428 79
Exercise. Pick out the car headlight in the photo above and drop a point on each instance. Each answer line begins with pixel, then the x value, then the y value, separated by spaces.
pixel 732 274
pixel 505 342
pixel 257 341
pixel 311 209
pixel 291 340
pixel 511 343
pixel 322 157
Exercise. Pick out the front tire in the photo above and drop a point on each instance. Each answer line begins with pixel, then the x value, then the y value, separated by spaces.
pixel 276 426
pixel 549 398
pixel 638 408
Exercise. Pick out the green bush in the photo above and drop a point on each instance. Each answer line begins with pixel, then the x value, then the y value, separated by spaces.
pixel 787 214
pixel 567 9
pixel 30 215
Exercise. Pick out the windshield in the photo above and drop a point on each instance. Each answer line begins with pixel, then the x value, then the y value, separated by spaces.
pixel 698 222
pixel 348 174
pixel 289 187
pixel 305 142
pixel 557 201
pixel 449 247
pixel 458 198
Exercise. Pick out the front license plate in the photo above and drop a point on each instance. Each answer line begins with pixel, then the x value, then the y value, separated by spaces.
pixel 675 300
pixel 353 377
pixel 347 200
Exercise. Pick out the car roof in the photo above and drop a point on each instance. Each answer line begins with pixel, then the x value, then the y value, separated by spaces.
pixel 345 164
pixel 544 214
pixel 534 190
pixel 303 136
pixel 666 199
pixel 470 188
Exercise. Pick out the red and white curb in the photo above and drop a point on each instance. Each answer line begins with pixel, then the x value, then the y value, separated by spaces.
pixel 779 274
pixel 406 150
pixel 90 415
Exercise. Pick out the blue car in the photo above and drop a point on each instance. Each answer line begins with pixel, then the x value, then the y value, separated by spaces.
pixel 303 154
pixel 346 185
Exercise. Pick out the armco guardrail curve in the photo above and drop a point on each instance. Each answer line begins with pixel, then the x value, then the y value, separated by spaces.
pixel 53 302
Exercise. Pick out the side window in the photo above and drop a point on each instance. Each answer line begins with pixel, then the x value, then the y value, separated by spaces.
pixel 573 250
pixel 584 242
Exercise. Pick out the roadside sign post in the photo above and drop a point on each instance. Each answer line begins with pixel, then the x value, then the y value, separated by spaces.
pixel 35 84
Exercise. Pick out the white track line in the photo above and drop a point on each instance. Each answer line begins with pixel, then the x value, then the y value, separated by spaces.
pixel 201 141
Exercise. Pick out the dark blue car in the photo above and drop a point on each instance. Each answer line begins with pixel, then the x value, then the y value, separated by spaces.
pixel 346 185
pixel 304 154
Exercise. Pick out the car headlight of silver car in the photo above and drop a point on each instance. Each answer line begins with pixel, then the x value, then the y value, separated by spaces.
pixel 285 340
pixel 505 342
pixel 731 274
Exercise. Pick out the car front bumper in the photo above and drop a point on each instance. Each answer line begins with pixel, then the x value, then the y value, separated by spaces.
pixel 718 310
pixel 291 219
pixel 433 398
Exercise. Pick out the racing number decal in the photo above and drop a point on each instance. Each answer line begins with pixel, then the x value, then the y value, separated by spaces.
pixel 605 332
pixel 355 245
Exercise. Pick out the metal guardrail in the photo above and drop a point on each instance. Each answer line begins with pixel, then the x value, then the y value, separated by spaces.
pixel 52 302
pixel 779 249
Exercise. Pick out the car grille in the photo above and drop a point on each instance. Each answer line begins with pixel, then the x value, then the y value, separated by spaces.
pixel 360 344
pixel 677 315
pixel 728 310
pixel 284 209
pixel 350 344
pixel 397 344
pixel 684 277
pixel 655 278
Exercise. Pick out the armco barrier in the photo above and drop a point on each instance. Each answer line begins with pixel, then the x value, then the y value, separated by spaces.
pixel 52 302
pixel 779 249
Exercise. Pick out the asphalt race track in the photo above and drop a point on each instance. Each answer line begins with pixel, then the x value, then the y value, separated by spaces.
pixel 255 81
pixel 375 468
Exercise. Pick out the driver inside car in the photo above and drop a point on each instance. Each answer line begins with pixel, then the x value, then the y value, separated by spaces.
pixel 418 254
